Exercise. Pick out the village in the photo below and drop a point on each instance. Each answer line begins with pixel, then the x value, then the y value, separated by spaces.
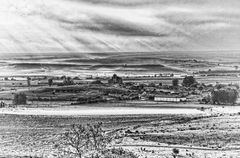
pixel 175 88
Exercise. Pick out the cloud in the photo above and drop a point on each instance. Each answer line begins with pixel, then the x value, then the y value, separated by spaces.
pixel 116 25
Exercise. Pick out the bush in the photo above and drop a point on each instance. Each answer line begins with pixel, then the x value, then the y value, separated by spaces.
pixel 118 153
pixel 175 152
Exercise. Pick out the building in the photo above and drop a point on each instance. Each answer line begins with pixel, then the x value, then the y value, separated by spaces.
pixel 166 98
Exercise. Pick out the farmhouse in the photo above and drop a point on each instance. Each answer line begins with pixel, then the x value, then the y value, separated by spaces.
pixel 168 98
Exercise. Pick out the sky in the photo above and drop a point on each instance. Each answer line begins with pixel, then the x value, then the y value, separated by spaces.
pixel 45 26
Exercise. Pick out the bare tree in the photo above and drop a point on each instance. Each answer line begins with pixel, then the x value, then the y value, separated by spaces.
pixel 82 140
pixel 99 139
pixel 74 142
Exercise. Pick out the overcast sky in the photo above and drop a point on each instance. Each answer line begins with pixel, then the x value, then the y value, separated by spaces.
pixel 118 25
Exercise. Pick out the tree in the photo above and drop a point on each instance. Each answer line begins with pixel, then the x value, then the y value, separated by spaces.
pixel 175 82
pixel 83 140
pixel 28 81
pixel 98 138
pixel 63 77
pixel 50 81
pixel 70 81
pixel 19 99
pixel 188 81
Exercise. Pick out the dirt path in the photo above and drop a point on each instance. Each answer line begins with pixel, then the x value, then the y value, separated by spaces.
pixel 84 110
pixel 179 147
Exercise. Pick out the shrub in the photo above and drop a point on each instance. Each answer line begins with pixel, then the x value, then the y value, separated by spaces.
pixel 175 152
pixel 118 153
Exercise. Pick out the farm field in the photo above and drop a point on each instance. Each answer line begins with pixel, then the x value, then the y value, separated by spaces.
pixel 210 133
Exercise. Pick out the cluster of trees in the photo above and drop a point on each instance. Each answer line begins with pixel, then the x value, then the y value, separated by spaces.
pixel 187 81
pixel 88 141
pixel 224 96
pixel 68 81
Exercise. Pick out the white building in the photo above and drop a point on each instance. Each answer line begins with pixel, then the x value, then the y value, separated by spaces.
pixel 166 98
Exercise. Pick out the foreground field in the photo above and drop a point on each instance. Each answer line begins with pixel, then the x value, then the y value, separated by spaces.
pixel 207 134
